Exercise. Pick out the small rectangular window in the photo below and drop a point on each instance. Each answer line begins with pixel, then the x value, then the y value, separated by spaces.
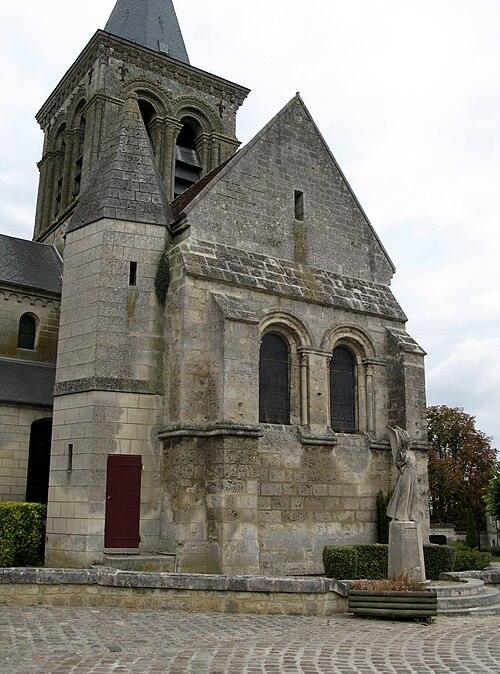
pixel 299 205
pixel 132 276
pixel 70 457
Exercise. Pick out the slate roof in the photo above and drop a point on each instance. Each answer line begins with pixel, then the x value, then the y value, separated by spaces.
pixel 280 277
pixel 30 265
pixel 149 23
pixel 26 383
pixel 125 184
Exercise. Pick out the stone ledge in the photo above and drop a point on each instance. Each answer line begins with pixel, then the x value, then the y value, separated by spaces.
pixel 489 576
pixel 172 591
pixel 172 581
pixel 209 431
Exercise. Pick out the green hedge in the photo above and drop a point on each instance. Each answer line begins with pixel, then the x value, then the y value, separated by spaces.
pixel 355 562
pixel 438 559
pixel 471 560
pixel 6 553
pixel 22 526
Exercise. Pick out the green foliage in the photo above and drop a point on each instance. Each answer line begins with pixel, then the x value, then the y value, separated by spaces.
pixel 494 550
pixel 372 561
pixel 340 561
pixel 471 538
pixel 469 560
pixel 438 559
pixel 162 279
pixel 6 553
pixel 22 526
pixel 355 561
pixel 461 462
pixel 382 519
pixel 492 496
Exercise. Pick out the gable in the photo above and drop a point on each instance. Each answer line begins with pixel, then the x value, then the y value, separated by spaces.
pixel 253 203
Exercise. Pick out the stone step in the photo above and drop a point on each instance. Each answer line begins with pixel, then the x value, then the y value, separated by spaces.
pixel 488 597
pixel 494 609
pixel 158 563
pixel 458 588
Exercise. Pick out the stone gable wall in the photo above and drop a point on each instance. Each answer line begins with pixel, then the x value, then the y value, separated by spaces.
pixel 251 205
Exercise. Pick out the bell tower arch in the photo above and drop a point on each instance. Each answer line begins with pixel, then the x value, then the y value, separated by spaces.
pixel 189 114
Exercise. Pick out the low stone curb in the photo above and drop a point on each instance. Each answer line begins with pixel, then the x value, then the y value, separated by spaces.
pixel 170 581
pixel 197 592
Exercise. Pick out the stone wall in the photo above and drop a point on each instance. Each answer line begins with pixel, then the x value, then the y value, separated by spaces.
pixel 15 427
pixel 175 592
pixel 14 302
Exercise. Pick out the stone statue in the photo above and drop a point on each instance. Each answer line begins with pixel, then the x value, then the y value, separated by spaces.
pixel 403 504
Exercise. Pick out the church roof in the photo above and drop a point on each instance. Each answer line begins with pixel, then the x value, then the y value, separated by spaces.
pixel 26 383
pixel 30 265
pixel 149 23
pixel 125 184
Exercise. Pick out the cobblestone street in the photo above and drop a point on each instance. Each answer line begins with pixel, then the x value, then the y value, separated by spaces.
pixel 98 641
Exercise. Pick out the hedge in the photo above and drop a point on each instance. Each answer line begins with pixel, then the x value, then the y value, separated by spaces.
pixel 6 553
pixel 438 559
pixel 22 526
pixel 355 562
pixel 471 560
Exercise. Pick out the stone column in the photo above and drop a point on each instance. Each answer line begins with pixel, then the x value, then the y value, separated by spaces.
pixel 304 388
pixel 318 396
pixel 370 420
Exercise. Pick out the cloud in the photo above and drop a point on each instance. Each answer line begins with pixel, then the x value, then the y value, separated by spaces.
pixel 470 377
pixel 406 95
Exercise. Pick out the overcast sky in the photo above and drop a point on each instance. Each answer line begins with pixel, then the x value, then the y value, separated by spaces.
pixel 406 93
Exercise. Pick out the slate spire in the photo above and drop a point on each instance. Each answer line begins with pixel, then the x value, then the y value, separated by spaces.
pixel 149 23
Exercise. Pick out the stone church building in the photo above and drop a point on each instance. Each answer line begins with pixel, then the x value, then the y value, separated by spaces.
pixel 229 351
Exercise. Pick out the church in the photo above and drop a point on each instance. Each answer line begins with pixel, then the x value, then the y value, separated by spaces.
pixel 199 351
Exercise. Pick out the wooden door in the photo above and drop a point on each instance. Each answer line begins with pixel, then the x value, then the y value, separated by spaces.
pixel 123 501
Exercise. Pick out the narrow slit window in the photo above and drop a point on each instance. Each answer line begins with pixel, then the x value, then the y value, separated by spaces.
pixel 70 457
pixel 299 205
pixel 132 274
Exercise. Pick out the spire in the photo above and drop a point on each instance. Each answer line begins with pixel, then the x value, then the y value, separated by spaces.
pixel 149 23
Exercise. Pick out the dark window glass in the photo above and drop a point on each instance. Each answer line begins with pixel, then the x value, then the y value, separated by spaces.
pixel 274 391
pixel 343 391
pixel 27 332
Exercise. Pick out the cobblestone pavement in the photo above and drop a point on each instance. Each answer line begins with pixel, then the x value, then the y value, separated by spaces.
pixel 99 641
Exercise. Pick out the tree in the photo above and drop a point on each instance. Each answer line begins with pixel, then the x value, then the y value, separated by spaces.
pixel 471 536
pixel 492 496
pixel 461 462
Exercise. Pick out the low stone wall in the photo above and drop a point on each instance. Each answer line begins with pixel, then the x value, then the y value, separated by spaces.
pixel 489 576
pixel 172 591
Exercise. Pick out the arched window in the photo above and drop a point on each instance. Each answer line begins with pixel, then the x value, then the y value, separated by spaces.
pixel 343 390
pixel 78 150
pixel 187 160
pixel 274 380
pixel 27 332
pixel 148 117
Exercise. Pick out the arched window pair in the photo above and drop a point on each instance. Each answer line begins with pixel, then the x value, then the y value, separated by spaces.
pixel 274 384
pixel 27 332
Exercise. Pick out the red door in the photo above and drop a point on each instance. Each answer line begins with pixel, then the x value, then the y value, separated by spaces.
pixel 123 501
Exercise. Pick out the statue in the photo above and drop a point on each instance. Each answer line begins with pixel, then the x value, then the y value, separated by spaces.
pixel 403 504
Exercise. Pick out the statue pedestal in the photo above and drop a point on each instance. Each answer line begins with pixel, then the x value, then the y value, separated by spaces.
pixel 406 550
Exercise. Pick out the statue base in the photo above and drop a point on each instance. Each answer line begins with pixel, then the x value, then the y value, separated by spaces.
pixel 406 551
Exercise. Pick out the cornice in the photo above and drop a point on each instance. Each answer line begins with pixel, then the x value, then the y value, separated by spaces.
pixel 103 45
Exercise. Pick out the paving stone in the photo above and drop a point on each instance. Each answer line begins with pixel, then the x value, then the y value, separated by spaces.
pixel 42 640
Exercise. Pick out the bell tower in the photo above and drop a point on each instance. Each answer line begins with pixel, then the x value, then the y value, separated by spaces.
pixel 189 114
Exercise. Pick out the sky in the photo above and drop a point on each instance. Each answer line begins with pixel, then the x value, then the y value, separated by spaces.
pixel 406 94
